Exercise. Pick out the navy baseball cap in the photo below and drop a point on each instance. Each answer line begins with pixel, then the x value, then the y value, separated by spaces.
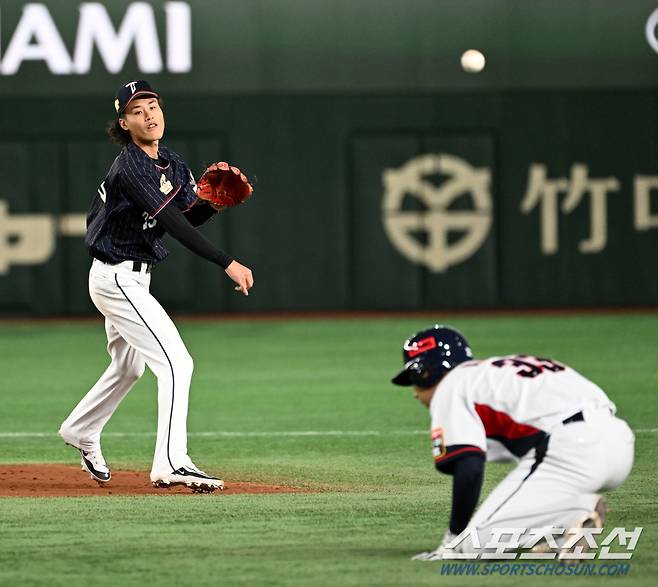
pixel 429 354
pixel 130 91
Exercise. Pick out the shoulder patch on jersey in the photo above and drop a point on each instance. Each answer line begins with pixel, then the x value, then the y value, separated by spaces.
pixel 165 185
pixel 454 452
pixel 438 443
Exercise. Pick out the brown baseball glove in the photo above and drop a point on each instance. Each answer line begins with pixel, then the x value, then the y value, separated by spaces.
pixel 224 185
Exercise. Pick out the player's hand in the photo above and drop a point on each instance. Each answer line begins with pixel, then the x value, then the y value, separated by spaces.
pixel 242 276
pixel 430 555
pixel 437 553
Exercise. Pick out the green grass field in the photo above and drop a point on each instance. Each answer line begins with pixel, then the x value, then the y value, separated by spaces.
pixel 263 381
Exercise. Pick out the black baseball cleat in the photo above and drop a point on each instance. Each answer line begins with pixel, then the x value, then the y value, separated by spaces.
pixel 93 462
pixel 190 476
pixel 92 459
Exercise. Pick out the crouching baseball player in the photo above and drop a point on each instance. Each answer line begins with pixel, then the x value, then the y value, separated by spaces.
pixel 560 427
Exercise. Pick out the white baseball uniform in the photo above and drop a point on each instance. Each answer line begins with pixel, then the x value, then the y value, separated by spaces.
pixel 124 235
pixel 560 427
pixel 138 331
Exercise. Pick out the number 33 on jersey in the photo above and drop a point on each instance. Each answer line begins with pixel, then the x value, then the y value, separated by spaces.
pixel 511 401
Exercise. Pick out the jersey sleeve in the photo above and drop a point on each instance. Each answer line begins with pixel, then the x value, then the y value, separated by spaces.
pixel 148 186
pixel 186 197
pixel 457 430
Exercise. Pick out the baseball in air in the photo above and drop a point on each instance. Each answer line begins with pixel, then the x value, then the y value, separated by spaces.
pixel 473 61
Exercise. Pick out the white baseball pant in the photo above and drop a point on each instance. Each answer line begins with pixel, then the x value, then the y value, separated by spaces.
pixel 560 487
pixel 139 332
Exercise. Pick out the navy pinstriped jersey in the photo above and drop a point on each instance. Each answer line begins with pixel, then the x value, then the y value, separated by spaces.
pixel 122 223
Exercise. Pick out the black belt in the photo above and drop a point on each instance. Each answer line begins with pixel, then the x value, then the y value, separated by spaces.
pixel 138 265
pixel 577 417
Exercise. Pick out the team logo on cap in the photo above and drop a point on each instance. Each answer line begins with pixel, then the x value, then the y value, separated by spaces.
pixel 116 105
pixel 419 347
pixel 132 86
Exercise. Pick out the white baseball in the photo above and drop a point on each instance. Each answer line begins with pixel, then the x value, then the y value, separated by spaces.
pixel 473 61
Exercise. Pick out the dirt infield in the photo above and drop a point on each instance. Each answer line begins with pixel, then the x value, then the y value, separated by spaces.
pixel 69 481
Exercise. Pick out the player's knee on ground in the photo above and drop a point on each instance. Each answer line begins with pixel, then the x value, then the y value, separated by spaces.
pixel 489 540
pixel 474 541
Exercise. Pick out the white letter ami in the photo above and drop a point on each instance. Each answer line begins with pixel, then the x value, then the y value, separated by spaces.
pixel 36 38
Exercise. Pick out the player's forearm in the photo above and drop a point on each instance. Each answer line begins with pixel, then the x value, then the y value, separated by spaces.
pixel 175 223
pixel 200 213
pixel 468 473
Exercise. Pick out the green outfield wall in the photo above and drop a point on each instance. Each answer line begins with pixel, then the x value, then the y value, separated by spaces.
pixel 228 46
pixel 521 199
pixel 387 178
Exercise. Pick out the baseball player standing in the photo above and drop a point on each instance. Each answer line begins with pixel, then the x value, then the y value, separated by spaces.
pixel 148 190
pixel 559 426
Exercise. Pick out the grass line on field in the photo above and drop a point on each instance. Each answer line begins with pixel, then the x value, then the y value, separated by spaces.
pixel 278 433
pixel 237 434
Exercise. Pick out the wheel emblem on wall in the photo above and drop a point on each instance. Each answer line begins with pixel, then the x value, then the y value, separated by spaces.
pixel 422 234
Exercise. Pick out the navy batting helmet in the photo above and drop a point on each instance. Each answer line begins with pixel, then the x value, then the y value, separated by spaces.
pixel 430 354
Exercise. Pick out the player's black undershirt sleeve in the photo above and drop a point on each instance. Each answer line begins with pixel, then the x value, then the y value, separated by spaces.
pixel 175 223
pixel 468 473
pixel 199 213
